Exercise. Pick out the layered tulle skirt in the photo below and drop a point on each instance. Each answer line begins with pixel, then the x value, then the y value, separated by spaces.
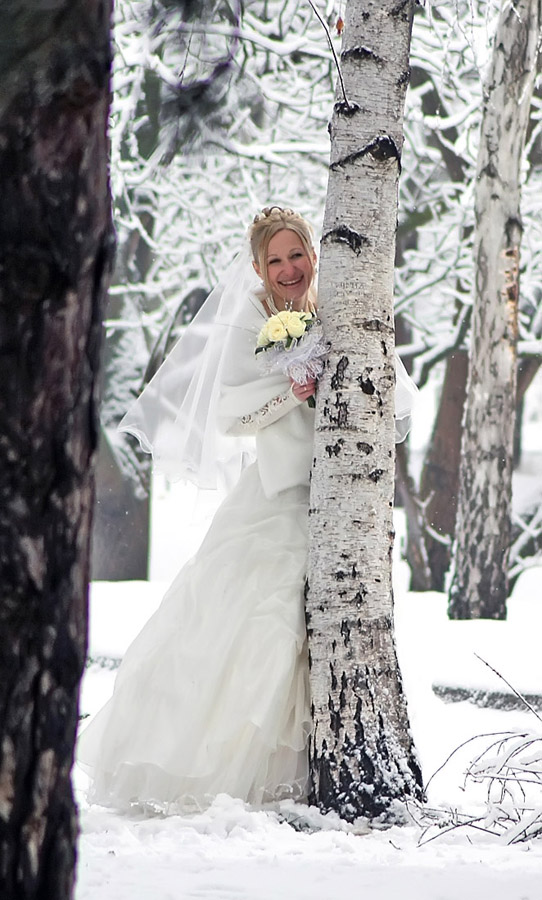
pixel 212 696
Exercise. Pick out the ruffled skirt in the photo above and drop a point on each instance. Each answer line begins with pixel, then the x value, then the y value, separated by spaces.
pixel 212 696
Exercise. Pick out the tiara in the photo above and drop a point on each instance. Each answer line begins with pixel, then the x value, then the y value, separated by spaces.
pixel 273 212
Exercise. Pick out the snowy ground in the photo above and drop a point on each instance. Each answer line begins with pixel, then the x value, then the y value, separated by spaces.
pixel 233 853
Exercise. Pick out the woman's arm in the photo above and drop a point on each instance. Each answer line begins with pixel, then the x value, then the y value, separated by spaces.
pixel 270 412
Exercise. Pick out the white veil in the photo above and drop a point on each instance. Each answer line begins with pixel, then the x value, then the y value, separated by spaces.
pixel 176 416
pixel 405 398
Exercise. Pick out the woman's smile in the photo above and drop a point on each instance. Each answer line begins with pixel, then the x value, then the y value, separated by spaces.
pixel 289 268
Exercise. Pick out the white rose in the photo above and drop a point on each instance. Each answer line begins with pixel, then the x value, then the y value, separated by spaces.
pixel 276 330
pixel 296 326
pixel 263 337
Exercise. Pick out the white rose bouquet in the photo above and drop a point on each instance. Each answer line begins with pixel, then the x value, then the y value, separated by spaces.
pixel 292 342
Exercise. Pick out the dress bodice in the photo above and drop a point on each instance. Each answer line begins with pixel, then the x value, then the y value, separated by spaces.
pixel 263 405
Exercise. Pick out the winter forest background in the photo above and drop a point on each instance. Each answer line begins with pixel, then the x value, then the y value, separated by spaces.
pixel 221 111
pixel 220 108
pixel 218 112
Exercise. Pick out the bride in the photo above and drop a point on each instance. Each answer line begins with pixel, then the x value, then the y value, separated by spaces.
pixel 212 696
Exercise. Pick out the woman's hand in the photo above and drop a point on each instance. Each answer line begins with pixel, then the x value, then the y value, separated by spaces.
pixel 303 391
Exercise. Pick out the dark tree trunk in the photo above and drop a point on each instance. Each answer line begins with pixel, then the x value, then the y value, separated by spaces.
pixel 527 370
pixel 120 531
pixel 439 481
pixel 415 550
pixel 55 250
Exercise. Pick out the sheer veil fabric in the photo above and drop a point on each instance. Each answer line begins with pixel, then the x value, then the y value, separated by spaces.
pixel 176 418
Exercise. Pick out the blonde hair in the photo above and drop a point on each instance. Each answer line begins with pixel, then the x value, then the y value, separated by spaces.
pixel 266 225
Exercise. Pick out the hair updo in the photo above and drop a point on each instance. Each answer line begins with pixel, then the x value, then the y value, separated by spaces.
pixel 265 226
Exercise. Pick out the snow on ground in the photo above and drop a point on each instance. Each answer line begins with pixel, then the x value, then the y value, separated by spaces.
pixel 230 852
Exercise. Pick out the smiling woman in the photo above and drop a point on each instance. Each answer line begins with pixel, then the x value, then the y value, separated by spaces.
pixel 212 696
pixel 284 258
pixel 290 270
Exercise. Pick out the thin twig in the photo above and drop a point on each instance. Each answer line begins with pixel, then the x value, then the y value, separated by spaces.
pixel 511 686
pixel 332 48
pixel 460 747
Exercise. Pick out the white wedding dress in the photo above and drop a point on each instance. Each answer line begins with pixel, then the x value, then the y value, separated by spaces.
pixel 212 696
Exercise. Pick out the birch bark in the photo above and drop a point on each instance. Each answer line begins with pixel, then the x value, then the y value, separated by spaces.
pixel 361 751
pixel 55 249
pixel 479 586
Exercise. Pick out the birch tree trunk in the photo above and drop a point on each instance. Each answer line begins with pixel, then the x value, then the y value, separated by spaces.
pixel 55 249
pixel 479 587
pixel 361 752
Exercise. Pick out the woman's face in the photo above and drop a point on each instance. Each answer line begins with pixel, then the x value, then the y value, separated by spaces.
pixel 289 268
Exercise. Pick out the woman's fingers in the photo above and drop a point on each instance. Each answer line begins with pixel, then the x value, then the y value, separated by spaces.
pixel 304 391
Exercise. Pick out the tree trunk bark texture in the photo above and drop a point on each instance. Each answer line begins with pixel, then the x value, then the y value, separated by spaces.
pixel 479 586
pixel 55 252
pixel 361 751
pixel 120 521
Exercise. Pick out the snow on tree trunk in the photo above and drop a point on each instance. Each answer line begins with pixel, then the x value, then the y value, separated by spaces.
pixel 479 586
pixel 361 752
pixel 55 244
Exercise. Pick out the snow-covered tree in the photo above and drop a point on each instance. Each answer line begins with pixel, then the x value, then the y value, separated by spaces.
pixel 450 52
pixel 214 117
pixel 361 752
pixel 480 579
pixel 266 141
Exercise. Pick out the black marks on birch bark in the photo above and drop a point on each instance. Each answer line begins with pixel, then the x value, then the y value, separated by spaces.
pixel 401 9
pixel 380 773
pixel 342 234
pixel 348 110
pixel 360 54
pixel 376 475
pixel 340 420
pixel 382 148
pixel 366 385
pixel 513 229
pixel 490 171
pixel 359 599
pixel 335 723
pixel 341 574
pixel 345 632
pixel 404 77
pixel 337 380
pixel 342 695
pixel 364 448
pixel 376 325
pixel 334 449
